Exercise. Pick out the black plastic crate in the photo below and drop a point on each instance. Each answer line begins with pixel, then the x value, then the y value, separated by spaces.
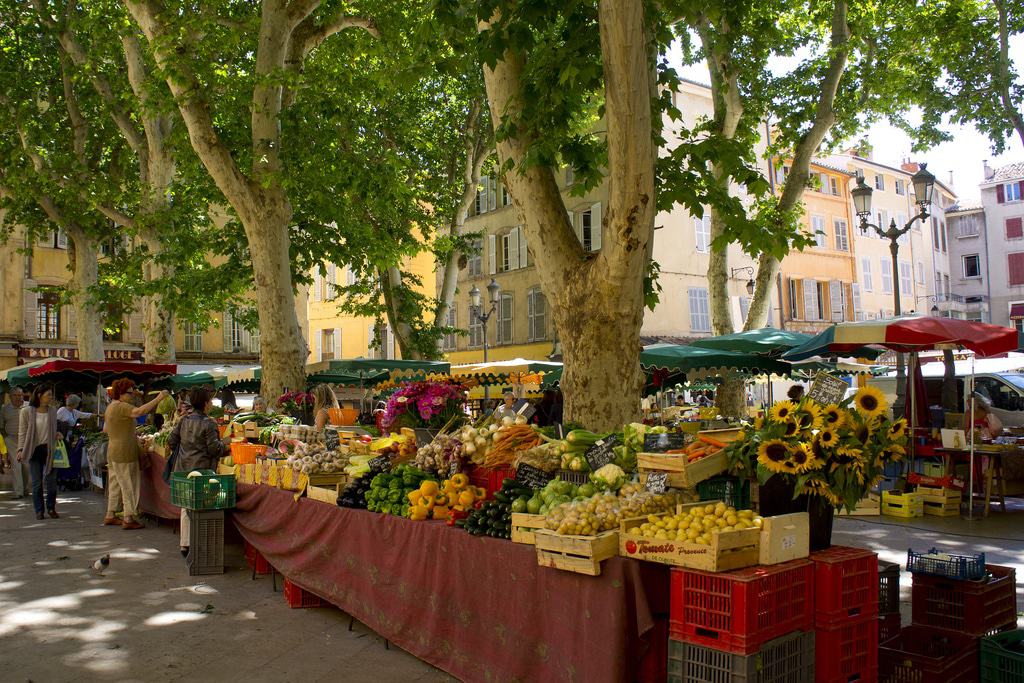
pixel 206 542
pixel 728 489
pixel 888 587
pixel 788 659
pixel 1002 657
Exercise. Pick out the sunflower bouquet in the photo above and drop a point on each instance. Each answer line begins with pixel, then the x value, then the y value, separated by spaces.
pixel 836 451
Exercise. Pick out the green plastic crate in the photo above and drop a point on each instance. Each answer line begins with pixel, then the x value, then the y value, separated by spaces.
pixel 726 488
pixel 211 491
pixel 1002 657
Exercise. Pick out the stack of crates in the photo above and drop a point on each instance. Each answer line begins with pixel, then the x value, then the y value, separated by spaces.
pixel 206 542
pixel 906 504
pixel 752 624
pixel 846 592
pixel 1002 657
pixel 889 620
pixel 956 600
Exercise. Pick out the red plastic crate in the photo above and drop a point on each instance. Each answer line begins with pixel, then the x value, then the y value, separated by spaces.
pixel 920 654
pixel 848 652
pixel 255 559
pixel 889 626
pixel 297 597
pixel 490 478
pixel 977 608
pixel 845 584
pixel 741 610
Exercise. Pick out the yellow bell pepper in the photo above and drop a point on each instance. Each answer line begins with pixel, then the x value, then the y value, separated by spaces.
pixel 460 480
pixel 440 512
pixel 414 497
pixel 429 488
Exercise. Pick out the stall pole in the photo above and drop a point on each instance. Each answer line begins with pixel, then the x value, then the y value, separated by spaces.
pixel 914 360
pixel 970 497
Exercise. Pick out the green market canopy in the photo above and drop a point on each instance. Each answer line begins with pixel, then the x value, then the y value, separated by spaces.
pixel 516 371
pixel 695 361
pixel 767 341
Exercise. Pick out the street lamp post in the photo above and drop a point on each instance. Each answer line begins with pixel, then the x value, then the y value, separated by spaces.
pixel 924 184
pixel 476 310
pixel 750 277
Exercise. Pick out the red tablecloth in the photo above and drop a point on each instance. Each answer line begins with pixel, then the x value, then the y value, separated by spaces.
pixel 154 494
pixel 479 608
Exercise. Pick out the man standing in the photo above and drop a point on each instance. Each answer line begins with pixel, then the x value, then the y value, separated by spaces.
pixel 9 431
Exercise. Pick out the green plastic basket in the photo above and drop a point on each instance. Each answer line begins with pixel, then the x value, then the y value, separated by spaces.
pixel 1002 657
pixel 726 488
pixel 211 491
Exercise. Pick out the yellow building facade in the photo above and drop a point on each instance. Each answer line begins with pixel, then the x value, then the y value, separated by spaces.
pixel 819 284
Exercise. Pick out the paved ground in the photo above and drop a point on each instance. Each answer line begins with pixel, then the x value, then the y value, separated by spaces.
pixel 146 619
pixel 1000 536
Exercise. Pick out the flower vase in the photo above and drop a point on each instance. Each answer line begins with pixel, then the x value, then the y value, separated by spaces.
pixel 776 498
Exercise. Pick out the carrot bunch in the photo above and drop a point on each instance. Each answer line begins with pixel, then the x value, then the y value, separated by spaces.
pixel 513 439
pixel 701 448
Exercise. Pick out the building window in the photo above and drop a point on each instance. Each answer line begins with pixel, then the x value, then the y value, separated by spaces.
pixel 901 187
pixel 476 258
pixel 700 314
pixel 883 219
pixel 513 250
pixel 886 275
pixel 936 242
pixel 945 284
pixel 920 273
pixel 968 226
pixel 537 315
pixel 590 228
pixel 842 241
pixel 1016 263
pixel 327 345
pixel 702 229
pixel 448 340
pixel 506 198
pixel 570 176
pixel 865 274
pixel 833 184
pixel 906 279
pixel 812 300
pixel 476 330
pixel 486 195
pixel 879 182
pixel 818 230
pixel 972 266
pixel 1014 228
pixel 1012 192
pixel 48 314
pixel 505 327
pixel 193 338
pixel 942 234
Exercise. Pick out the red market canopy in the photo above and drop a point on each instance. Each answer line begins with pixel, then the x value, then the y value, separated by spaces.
pixel 75 374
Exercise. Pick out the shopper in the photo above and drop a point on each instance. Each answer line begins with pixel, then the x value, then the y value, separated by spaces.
pixel 505 409
pixel 985 420
pixel 259 405
pixel 123 453
pixel 199 447
pixel 323 400
pixel 68 415
pixel 9 417
pixel 37 437
pixel 795 393
pixel 227 400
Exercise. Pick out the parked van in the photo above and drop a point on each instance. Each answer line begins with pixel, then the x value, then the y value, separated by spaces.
pixel 1004 389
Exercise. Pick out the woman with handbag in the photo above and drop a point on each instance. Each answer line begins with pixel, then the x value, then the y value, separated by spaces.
pixel 37 438
pixel 123 453
pixel 195 444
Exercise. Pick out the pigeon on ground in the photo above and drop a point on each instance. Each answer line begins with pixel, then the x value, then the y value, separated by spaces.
pixel 101 564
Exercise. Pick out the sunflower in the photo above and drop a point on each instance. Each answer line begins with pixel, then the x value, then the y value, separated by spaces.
pixel 792 427
pixel 781 411
pixel 898 429
pixel 772 454
pixel 809 416
pixel 893 453
pixel 828 438
pixel 803 458
pixel 817 487
pixel 834 416
pixel 870 401
pixel 845 455
pixel 863 431
pixel 758 423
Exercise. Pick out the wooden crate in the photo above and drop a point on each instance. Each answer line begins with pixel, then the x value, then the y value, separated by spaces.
pixel 724 435
pixel 322 494
pixel 229 469
pixel 252 430
pixel 728 549
pixel 523 526
pixel 902 504
pixel 334 480
pixel 939 501
pixel 682 474
pixel 580 554
pixel 869 506
pixel 785 538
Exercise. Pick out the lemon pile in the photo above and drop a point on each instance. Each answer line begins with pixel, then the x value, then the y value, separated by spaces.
pixel 698 524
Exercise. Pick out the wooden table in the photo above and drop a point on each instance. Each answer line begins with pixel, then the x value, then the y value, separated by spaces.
pixel 984 474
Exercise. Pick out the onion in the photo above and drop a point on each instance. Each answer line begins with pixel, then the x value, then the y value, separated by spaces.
pixel 481 442
pixel 469 448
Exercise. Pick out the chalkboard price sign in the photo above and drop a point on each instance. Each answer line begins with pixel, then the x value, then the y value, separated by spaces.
pixel 659 443
pixel 656 482
pixel 381 463
pixel 531 476
pixel 454 469
pixel 827 389
pixel 331 440
pixel 601 453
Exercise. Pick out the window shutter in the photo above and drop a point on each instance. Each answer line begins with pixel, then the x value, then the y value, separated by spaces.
pixel 1014 228
pixel 512 249
pixel 792 299
pixel 391 341
pixel 855 291
pixel 530 313
pixel 595 227
pixel 810 299
pixel 317 287
pixel 835 296
pixel 62 239
pixel 29 303
pixel 337 343
pixel 492 201
pixel 1016 263
pixel 492 254
pixel 226 329
pixel 524 254
pixel 318 345
pixel 370 334
pixel 481 196
pixel 70 328
pixel 1000 194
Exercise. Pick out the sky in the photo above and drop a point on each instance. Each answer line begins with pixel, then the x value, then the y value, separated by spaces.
pixel 964 155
